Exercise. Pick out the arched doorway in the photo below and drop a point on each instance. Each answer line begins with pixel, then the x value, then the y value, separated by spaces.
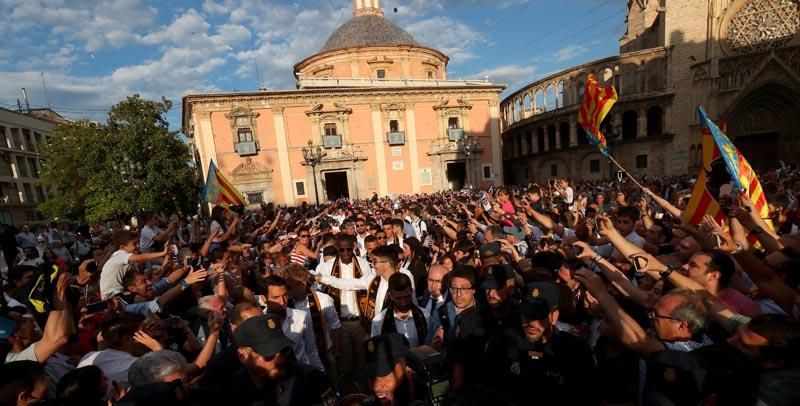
pixel 765 125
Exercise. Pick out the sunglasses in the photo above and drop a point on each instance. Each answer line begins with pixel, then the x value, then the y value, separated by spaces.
pixel 343 250
pixel 381 238
pixel 304 235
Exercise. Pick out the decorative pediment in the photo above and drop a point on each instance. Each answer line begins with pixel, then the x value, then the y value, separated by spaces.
pixel 347 153
pixel 322 70
pixel 337 109
pixel 461 103
pixel 250 171
pixel 393 106
pixel 431 63
pixel 380 61
pixel 242 117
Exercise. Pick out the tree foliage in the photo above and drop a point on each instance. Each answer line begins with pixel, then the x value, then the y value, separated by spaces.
pixel 89 165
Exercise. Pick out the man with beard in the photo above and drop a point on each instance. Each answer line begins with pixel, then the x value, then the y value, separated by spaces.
pixel 271 374
pixel 535 355
pixel 401 315
pixel 499 286
pixel 296 324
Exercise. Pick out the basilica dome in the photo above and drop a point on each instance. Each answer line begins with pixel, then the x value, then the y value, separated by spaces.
pixel 368 30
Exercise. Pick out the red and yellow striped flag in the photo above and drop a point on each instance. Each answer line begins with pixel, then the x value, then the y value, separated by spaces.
pixel 219 190
pixel 715 178
pixel 597 102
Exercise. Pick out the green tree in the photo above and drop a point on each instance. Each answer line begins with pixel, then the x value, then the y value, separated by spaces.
pixel 130 165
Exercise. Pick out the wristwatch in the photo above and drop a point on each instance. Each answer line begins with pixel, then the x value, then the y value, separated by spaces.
pixel 184 284
pixel 756 230
pixel 665 273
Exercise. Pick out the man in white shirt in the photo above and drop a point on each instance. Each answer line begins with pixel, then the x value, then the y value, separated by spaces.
pixel 297 325
pixel 152 234
pixel 436 296
pixel 401 315
pixel 123 348
pixel 116 267
pixel 319 307
pixel 361 234
pixel 31 258
pixel 386 262
pixel 418 224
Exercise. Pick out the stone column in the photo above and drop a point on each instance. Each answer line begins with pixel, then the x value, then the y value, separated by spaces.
pixel 641 131
pixel 573 132
pixel 282 142
pixel 558 137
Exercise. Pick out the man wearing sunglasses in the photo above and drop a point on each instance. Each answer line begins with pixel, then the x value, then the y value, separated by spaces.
pixel 271 373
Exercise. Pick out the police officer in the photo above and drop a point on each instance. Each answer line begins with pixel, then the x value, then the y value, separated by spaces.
pixel 537 363
pixel 501 312
pixel 271 374
pixel 385 369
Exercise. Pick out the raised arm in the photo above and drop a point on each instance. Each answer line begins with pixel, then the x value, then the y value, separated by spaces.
pixel 674 211
pixel 56 329
pixel 631 334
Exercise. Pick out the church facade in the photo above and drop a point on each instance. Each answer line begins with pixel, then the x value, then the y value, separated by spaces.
pixel 375 102
pixel 740 59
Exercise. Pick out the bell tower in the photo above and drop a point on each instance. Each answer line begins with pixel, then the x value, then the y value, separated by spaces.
pixel 367 7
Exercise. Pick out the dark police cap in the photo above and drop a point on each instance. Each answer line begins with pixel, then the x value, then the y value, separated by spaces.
pixel 156 394
pixel 263 334
pixel 497 275
pixel 383 352
pixel 541 299
pixel 490 249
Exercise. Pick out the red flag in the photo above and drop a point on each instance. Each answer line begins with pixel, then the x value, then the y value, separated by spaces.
pixel 597 102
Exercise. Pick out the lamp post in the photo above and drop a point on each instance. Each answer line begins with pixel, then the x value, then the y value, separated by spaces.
pixel 128 169
pixel 312 157
pixel 468 146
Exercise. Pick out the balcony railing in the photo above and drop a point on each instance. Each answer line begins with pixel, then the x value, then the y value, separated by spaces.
pixel 332 141
pixel 396 138
pixel 455 134
pixel 246 148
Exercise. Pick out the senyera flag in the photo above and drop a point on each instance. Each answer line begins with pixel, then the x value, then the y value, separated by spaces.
pixel 219 190
pixel 597 102
pixel 725 173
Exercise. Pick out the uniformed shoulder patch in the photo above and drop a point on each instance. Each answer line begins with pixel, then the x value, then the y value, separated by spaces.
pixel 370 346
pixel 271 324
pixel 515 369
pixel 535 292
pixel 670 375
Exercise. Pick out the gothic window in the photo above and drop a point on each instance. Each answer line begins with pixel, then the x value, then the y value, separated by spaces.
pixel 761 25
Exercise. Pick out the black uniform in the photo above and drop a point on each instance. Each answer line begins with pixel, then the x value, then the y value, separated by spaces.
pixel 303 385
pixel 558 372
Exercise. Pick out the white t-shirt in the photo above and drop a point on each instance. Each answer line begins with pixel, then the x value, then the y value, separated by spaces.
pixel 28 354
pixel 113 272
pixel 146 238
pixel 113 363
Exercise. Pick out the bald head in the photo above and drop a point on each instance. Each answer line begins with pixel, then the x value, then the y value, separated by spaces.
pixel 436 275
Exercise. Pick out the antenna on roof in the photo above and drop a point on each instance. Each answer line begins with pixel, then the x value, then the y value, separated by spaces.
pixel 44 86
pixel 25 97
pixel 255 61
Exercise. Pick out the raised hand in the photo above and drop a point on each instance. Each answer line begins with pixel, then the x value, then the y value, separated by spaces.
pixel 143 338
pixel 586 252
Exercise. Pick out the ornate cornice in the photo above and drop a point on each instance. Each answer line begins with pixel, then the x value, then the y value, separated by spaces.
pixel 338 109
pixel 249 171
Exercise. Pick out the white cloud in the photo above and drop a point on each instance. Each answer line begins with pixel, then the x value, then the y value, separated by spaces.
pixel 569 52
pixel 451 37
pixel 513 75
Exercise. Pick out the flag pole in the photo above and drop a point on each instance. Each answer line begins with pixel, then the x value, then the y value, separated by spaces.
pixel 614 161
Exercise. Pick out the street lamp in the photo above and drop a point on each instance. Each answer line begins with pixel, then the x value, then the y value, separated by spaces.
pixel 468 146
pixel 313 157
pixel 128 169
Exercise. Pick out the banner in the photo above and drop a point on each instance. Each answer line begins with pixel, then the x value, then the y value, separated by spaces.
pixel 219 190
pixel 597 102
pixel 724 174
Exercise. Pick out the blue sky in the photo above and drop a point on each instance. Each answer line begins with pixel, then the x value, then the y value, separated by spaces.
pixel 94 53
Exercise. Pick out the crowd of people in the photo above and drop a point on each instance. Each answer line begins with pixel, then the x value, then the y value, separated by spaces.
pixel 589 293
